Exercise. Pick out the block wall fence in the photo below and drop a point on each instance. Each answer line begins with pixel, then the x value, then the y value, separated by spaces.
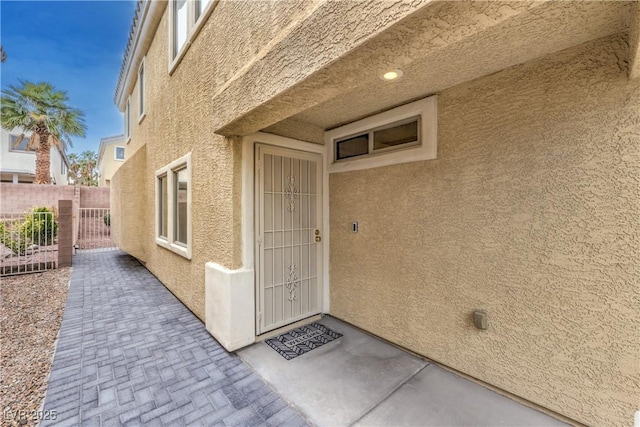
pixel 17 198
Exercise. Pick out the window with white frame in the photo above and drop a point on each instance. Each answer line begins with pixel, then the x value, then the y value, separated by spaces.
pixel 23 145
pixel 141 84
pixel 186 17
pixel 397 135
pixel 403 134
pixel 127 120
pixel 173 206
pixel 119 153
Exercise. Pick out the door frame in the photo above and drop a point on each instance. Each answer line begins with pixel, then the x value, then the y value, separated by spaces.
pixel 249 241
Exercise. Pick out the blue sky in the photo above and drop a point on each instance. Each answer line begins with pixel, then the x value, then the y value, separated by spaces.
pixel 77 46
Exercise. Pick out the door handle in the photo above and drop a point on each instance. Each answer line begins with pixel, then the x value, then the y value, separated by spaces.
pixel 318 238
pixel 317 233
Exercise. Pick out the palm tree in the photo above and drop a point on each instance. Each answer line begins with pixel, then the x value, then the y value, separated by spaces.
pixel 88 172
pixel 3 54
pixel 74 168
pixel 43 110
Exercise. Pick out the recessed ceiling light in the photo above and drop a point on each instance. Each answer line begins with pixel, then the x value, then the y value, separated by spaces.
pixel 392 75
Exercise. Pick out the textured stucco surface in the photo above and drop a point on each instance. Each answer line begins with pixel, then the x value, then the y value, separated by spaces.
pixel 531 212
pixel 437 44
pixel 129 194
pixel 179 119
pixel 315 40
pixel 634 41
pixel 108 165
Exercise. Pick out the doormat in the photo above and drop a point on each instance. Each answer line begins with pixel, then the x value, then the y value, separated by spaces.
pixel 302 340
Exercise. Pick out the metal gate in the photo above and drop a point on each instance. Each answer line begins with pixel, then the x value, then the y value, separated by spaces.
pixel 28 241
pixel 94 229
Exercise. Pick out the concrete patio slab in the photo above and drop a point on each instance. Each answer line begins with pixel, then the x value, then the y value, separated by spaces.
pixel 360 380
pixel 339 382
pixel 436 397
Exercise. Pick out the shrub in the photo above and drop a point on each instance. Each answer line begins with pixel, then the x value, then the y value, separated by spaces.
pixel 13 241
pixel 40 225
pixel 107 219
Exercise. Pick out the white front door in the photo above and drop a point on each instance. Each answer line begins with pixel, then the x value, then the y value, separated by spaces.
pixel 288 221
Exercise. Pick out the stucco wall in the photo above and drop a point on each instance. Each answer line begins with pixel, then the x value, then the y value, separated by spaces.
pixel 25 162
pixel 16 198
pixel 94 197
pixel 108 165
pixel 178 121
pixel 531 212
pixel 129 194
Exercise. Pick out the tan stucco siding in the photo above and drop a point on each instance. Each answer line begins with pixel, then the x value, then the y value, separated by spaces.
pixel 129 194
pixel 531 212
pixel 109 164
pixel 178 121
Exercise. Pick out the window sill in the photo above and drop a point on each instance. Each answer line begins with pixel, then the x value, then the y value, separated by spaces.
pixel 184 251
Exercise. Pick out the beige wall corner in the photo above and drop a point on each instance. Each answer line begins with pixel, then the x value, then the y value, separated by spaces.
pixel 518 216
pixel 634 42
pixel 128 197
pixel 229 306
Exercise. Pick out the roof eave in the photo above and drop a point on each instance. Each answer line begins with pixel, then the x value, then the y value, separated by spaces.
pixel 143 29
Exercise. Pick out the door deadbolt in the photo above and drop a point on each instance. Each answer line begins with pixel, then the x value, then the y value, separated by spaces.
pixel 317 233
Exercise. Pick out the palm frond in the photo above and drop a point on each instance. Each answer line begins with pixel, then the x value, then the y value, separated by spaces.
pixel 41 109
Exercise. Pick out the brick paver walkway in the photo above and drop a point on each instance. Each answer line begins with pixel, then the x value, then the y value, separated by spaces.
pixel 130 353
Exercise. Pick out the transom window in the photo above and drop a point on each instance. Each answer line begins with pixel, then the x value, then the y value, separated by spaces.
pixel 403 134
pixel 397 135
pixel 173 206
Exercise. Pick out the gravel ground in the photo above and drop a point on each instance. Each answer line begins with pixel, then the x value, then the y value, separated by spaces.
pixel 29 261
pixel 31 308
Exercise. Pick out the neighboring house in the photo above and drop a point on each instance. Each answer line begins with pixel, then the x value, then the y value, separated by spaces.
pixel 278 170
pixel 18 163
pixel 111 154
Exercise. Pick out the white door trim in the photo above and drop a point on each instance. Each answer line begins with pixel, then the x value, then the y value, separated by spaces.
pixel 248 201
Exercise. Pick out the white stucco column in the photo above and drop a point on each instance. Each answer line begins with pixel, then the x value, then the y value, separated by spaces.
pixel 230 305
